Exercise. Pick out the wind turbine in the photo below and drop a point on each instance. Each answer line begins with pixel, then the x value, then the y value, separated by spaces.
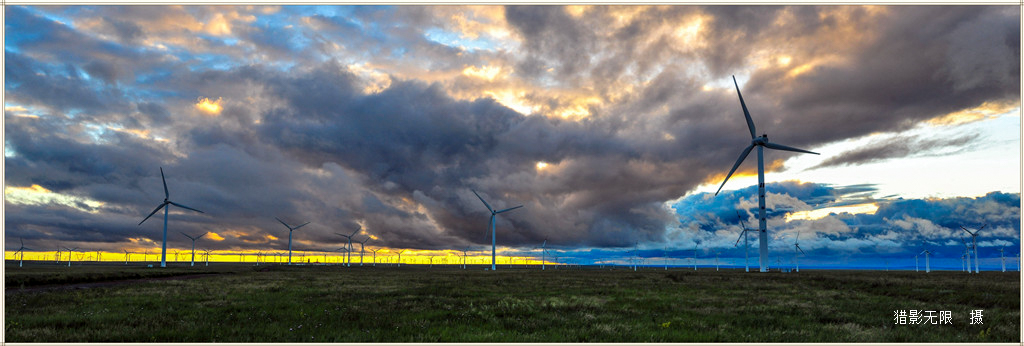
pixel 400 258
pixel 493 237
pixel 127 256
pixel 348 258
pixel 694 256
pixel 796 256
pixel 375 257
pixel 927 263
pixel 665 253
pixel 1001 258
pixel 70 252
pixel 543 252
pixel 966 255
pixel 974 244
pixel 23 248
pixel 746 241
pixel 206 254
pixel 761 143
pixel 290 230
pixel 166 205
pixel 362 249
pixel 716 260
pixel 636 255
pixel 464 257
pixel 193 247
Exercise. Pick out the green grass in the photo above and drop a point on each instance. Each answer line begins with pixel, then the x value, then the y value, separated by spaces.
pixel 417 304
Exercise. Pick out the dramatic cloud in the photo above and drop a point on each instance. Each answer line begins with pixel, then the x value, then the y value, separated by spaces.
pixel 384 118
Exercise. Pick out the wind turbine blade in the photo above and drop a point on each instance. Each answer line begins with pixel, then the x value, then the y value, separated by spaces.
pixel 282 222
pixel 482 200
pixel 797 236
pixel 154 212
pixel 297 227
pixel 166 194
pixel 735 166
pixel 750 122
pixel 982 227
pixel 201 235
pixel 542 245
pixel 740 237
pixel 801 250
pixel 504 210
pixel 965 230
pixel 354 233
pixel 783 147
pixel 189 237
pixel 179 205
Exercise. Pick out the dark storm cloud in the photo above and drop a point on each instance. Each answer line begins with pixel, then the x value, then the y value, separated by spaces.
pixel 898 147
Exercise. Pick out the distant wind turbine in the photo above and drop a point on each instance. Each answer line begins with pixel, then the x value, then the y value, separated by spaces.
pixel 348 259
pixel 544 251
pixel 290 230
pixel 493 237
pixel 1002 259
pixel 375 257
pixel 796 256
pixel 746 241
pixel 362 250
pixel 166 206
pixel 70 253
pixel 206 254
pixel 193 247
pixel 23 248
pixel 974 245
pixel 927 263
pixel 400 257
pixel 761 143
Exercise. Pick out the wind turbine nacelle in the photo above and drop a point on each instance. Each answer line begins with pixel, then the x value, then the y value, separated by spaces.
pixel 760 140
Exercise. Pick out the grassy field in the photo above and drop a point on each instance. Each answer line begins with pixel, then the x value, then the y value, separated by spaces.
pixel 419 304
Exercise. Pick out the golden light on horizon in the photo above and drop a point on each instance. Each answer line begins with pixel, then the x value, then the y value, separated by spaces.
pixel 866 208
pixel 209 107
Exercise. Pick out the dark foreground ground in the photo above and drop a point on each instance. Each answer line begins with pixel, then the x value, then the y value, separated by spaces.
pixel 233 303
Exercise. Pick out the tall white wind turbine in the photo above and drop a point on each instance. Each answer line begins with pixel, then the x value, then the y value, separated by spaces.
pixel 375 256
pixel 290 230
pixel 974 244
pixel 400 257
pixel 761 143
pixel 166 206
pixel 1001 259
pixel 493 237
pixel 193 247
pixel 70 252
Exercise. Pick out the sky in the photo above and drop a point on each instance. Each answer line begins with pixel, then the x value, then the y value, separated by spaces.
pixel 612 125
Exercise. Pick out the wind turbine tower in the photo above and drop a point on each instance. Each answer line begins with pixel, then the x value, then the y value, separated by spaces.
pixel 290 230
pixel 761 143
pixel 1001 259
pixel 194 246
pixel 375 256
pixel 493 237
pixel 166 206
pixel 974 244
